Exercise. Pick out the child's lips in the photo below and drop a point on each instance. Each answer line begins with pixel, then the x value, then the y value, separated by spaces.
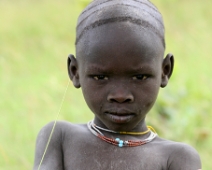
pixel 118 117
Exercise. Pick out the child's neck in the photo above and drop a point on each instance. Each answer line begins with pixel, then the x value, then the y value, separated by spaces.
pixel 122 138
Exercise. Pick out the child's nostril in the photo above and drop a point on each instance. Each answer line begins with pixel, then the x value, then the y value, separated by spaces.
pixel 128 100
pixel 120 99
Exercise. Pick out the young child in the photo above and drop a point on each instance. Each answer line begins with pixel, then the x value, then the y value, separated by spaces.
pixel 120 68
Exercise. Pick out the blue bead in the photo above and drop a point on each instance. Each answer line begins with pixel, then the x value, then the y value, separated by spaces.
pixel 121 142
pixel 117 139
pixel 120 145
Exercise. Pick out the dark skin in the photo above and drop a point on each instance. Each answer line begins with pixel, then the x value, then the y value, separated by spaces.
pixel 120 75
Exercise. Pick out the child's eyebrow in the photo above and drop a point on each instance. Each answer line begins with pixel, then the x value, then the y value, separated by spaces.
pixel 95 68
pixel 139 69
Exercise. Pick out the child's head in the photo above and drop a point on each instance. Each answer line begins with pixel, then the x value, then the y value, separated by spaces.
pixel 120 66
pixel 137 12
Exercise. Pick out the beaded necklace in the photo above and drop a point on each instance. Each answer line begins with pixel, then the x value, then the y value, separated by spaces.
pixel 123 132
pixel 118 142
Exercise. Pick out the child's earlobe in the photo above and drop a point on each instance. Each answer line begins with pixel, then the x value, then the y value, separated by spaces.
pixel 73 70
pixel 167 69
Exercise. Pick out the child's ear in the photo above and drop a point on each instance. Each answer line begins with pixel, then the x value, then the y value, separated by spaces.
pixel 73 70
pixel 167 68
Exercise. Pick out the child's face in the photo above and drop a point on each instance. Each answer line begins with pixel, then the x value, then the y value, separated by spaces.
pixel 120 70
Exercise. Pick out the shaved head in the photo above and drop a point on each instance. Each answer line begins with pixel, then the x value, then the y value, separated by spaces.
pixel 140 12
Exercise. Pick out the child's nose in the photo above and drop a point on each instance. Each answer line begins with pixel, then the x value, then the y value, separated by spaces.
pixel 120 95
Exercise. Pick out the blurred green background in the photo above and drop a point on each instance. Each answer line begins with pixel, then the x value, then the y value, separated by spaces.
pixel 35 40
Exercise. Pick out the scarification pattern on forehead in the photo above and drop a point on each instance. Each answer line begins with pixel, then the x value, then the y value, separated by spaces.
pixel 140 12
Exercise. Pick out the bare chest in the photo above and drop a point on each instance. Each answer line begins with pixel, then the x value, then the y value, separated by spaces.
pixel 109 157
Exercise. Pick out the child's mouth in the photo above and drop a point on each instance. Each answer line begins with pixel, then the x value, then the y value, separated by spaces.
pixel 120 117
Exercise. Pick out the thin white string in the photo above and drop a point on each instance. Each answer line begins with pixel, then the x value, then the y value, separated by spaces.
pixel 50 136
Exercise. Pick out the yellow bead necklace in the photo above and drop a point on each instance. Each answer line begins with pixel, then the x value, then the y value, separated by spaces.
pixel 149 128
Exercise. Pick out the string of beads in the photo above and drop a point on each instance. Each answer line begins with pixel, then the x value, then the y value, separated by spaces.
pixel 118 142
pixel 149 128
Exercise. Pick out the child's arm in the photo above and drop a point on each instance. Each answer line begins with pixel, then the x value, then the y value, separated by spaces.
pixel 53 157
pixel 184 157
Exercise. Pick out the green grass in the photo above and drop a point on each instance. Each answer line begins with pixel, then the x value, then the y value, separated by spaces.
pixel 36 38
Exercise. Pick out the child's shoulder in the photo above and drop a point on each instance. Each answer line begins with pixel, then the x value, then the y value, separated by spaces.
pixel 61 128
pixel 60 132
pixel 169 143
pixel 179 154
pixel 56 137
pixel 62 125
pixel 173 146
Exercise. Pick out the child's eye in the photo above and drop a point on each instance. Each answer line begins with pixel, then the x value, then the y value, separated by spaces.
pixel 100 77
pixel 140 77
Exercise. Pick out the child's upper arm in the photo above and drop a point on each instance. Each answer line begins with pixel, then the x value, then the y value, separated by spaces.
pixel 54 156
pixel 184 157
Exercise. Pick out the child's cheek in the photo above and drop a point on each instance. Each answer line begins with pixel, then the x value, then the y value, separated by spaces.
pixel 147 94
pixel 93 97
